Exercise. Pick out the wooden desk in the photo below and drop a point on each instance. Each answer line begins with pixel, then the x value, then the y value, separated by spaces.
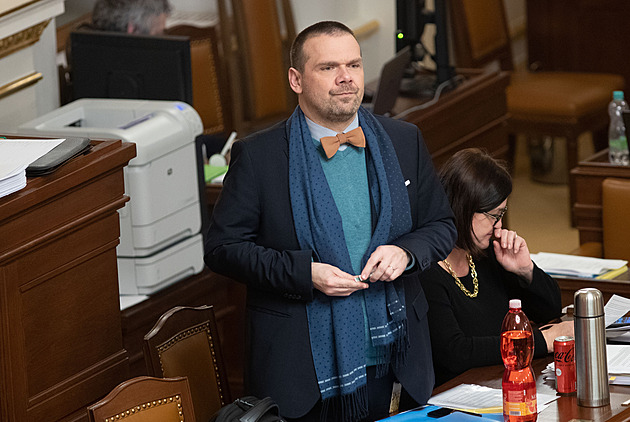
pixel 564 409
pixel 61 346
pixel 474 114
pixel 586 188
pixel 569 285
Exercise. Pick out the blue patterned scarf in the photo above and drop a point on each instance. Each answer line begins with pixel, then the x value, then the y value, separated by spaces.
pixel 336 323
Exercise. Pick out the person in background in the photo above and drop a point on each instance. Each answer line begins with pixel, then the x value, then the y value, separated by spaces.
pixel 469 291
pixel 328 218
pixel 142 17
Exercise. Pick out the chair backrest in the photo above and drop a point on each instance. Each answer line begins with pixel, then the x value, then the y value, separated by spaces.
pixel 480 34
pixel 615 221
pixel 145 399
pixel 210 86
pixel 185 342
pixel 257 47
pixel 262 57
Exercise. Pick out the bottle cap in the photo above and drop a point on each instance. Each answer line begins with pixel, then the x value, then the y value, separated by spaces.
pixel 588 302
pixel 515 303
pixel 617 95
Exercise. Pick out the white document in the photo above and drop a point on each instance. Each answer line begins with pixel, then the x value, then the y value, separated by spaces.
pixel 618 358
pixel 16 154
pixel 575 265
pixel 616 307
pixel 480 398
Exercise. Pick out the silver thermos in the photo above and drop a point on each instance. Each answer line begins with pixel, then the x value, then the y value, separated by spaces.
pixel 591 367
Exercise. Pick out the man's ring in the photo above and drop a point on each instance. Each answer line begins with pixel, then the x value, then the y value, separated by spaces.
pixel 358 279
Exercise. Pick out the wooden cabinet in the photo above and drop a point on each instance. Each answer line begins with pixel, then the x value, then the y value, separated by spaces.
pixel 60 335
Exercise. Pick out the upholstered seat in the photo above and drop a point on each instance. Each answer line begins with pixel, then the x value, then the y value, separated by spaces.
pixel 541 104
pixel 559 96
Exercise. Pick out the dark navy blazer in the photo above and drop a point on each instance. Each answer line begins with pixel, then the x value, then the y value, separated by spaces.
pixel 252 240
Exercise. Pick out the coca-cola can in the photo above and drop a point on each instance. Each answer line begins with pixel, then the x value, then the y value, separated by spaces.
pixel 564 361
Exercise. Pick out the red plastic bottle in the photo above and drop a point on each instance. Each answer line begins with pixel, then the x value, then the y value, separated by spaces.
pixel 517 351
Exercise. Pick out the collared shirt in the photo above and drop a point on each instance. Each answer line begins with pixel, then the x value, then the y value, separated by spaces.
pixel 319 131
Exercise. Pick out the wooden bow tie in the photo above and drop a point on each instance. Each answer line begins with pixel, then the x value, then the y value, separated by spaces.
pixel 331 143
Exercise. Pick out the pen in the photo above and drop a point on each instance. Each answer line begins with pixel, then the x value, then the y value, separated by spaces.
pixel 443 411
pixel 468 413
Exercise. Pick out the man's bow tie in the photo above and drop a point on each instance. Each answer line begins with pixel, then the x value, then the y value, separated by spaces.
pixel 331 143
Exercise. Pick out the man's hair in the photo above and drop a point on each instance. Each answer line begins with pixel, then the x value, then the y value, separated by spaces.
pixel 115 15
pixel 298 58
pixel 474 183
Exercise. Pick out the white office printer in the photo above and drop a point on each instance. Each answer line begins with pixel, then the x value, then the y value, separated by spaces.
pixel 160 240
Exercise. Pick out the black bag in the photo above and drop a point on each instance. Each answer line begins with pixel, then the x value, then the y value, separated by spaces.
pixel 249 409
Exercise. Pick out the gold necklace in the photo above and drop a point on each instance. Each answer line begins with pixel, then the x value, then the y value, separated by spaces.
pixel 473 273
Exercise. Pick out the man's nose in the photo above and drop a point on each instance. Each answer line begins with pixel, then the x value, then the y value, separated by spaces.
pixel 344 75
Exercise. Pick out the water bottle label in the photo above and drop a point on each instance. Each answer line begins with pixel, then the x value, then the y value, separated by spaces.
pixel 619 143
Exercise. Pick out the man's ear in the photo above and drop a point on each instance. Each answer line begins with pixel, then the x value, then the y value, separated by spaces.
pixel 295 80
pixel 130 28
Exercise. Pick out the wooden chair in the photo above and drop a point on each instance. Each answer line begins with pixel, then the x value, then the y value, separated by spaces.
pixel 185 342
pixel 211 93
pixel 145 399
pixel 557 104
pixel 615 223
pixel 256 37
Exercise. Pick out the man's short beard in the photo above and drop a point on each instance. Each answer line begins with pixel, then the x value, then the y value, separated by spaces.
pixel 338 114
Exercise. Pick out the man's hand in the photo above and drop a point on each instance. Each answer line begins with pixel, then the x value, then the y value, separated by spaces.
pixel 386 263
pixel 331 281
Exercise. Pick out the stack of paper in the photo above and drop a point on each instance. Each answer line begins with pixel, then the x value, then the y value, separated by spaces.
pixel 481 399
pixel 15 157
pixel 617 320
pixel 577 266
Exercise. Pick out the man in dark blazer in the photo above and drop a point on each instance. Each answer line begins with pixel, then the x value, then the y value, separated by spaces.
pixel 303 289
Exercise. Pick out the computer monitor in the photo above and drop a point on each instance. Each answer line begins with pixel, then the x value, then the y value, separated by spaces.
pixel 411 19
pixel 118 65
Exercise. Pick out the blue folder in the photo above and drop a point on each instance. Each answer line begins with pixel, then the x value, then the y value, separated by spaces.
pixel 421 414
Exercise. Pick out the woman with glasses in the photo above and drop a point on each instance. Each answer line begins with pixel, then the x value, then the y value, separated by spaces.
pixel 469 291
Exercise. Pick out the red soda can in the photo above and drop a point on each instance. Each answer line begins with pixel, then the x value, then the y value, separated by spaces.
pixel 564 361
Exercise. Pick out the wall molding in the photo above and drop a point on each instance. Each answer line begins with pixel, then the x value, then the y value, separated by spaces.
pixel 22 39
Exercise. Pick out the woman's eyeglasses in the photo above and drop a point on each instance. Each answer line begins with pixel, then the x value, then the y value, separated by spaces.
pixel 496 217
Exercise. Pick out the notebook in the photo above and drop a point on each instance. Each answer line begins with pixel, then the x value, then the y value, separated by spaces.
pixel 389 83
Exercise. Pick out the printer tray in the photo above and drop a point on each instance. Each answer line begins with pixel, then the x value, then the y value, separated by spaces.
pixel 69 148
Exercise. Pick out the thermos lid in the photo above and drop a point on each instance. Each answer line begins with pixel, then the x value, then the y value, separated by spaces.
pixel 588 302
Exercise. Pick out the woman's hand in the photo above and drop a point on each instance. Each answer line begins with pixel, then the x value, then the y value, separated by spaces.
pixel 553 331
pixel 512 253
